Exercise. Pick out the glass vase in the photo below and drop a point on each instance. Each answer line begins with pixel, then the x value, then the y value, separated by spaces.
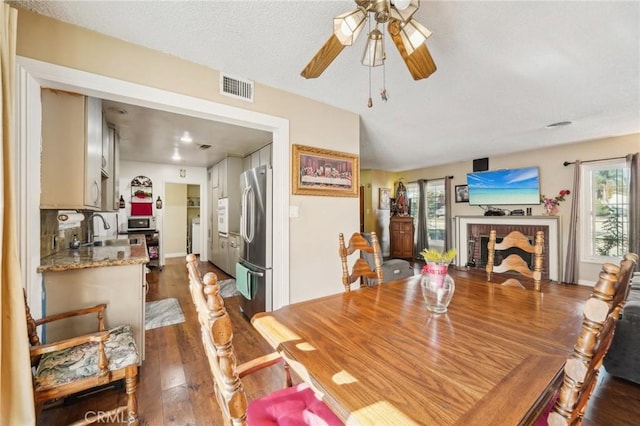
pixel 437 288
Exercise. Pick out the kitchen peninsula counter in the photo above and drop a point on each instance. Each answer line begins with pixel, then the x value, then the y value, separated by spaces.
pixel 113 273
pixel 95 257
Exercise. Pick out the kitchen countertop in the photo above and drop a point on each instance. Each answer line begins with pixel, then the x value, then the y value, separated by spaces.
pixel 95 257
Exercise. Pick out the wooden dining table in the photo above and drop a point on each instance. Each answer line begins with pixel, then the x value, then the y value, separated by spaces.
pixel 377 356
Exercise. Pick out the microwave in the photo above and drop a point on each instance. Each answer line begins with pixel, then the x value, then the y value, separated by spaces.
pixel 141 223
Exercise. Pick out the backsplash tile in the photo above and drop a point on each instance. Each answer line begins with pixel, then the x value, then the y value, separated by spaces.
pixel 49 228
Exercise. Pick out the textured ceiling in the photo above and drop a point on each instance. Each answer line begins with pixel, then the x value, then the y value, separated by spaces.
pixel 505 69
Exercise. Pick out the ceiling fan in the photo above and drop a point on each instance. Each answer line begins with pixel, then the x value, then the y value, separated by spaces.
pixel 408 35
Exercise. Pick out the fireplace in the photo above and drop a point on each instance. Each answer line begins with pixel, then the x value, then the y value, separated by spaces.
pixel 502 254
pixel 470 231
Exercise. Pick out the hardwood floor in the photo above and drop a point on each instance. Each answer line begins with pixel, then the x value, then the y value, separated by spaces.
pixel 175 386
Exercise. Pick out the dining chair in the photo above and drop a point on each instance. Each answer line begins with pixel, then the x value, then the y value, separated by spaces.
pixel 515 262
pixel 84 363
pixel 600 317
pixel 293 405
pixel 360 269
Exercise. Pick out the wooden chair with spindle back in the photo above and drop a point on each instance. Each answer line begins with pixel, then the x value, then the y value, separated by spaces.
pixel 600 317
pixel 84 363
pixel 297 404
pixel 515 262
pixel 360 269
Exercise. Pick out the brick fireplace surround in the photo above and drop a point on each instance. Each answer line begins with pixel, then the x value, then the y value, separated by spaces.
pixel 470 229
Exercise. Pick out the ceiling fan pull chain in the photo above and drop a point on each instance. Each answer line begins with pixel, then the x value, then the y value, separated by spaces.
pixel 370 102
pixel 383 93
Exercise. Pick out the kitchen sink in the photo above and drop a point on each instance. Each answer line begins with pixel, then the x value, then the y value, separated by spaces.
pixel 116 242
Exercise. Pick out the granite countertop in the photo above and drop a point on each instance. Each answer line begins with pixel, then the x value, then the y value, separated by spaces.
pixel 96 257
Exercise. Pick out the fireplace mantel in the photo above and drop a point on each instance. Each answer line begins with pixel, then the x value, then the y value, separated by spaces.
pixel 549 223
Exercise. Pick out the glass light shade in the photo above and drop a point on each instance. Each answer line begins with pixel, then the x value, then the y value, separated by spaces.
pixel 348 26
pixel 404 10
pixel 413 34
pixel 373 55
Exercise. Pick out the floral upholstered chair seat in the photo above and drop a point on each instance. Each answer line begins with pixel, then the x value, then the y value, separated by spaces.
pixel 79 362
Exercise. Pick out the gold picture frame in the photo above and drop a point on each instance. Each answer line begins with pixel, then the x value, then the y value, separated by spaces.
pixel 318 171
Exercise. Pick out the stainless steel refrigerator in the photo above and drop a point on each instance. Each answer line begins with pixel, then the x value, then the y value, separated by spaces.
pixel 256 238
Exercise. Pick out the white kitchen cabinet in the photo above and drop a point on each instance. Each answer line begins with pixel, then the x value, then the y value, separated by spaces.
pixel 122 288
pixel 255 159
pixel 233 254
pixel 221 252
pixel 214 176
pixel 229 171
pixel 265 155
pixel 110 185
pixel 116 167
pixel 71 157
pixel 213 224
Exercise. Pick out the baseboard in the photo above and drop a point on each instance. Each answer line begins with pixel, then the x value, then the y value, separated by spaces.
pixel 182 254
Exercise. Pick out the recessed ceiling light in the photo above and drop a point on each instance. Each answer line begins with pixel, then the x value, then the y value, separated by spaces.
pixel 176 155
pixel 558 124
pixel 186 138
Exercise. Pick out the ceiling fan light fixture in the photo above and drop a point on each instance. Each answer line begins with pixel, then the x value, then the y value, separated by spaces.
pixel 347 27
pixel 403 10
pixel 413 34
pixel 373 55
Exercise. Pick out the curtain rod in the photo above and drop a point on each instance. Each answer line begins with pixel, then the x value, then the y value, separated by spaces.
pixel 416 181
pixel 566 163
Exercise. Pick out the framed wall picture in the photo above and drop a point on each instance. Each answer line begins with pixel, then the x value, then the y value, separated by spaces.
pixel 384 199
pixel 462 194
pixel 317 171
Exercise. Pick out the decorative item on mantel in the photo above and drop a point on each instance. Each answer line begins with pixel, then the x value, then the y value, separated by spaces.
pixel 436 283
pixel 550 205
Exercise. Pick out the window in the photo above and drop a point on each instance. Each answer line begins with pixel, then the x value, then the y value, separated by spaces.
pixel 604 211
pixel 435 211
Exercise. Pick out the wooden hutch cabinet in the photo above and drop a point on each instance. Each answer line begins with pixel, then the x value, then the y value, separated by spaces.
pixel 401 237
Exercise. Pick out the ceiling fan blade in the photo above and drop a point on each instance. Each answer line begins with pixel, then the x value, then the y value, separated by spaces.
pixel 327 53
pixel 419 62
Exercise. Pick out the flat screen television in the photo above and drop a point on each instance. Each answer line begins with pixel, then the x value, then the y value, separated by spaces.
pixel 507 186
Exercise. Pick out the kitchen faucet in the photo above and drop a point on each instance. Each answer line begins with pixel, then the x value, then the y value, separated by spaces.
pixel 90 227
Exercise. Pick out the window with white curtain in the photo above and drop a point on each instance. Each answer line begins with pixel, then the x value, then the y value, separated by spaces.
pixel 604 211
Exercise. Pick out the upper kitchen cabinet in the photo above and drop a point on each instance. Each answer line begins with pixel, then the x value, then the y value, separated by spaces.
pixel 110 159
pixel 214 174
pixel 71 159
pixel 229 171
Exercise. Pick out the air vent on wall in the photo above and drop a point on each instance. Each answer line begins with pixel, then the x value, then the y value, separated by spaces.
pixel 236 87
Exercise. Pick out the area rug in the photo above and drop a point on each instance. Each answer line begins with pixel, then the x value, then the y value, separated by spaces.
pixel 160 313
pixel 228 288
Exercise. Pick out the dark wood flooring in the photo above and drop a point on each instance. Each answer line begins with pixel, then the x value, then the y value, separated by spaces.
pixel 175 386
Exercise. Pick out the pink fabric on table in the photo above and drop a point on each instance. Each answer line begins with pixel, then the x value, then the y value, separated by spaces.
pixel 295 406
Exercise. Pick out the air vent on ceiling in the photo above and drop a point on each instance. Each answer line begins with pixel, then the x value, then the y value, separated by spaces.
pixel 204 146
pixel 236 87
